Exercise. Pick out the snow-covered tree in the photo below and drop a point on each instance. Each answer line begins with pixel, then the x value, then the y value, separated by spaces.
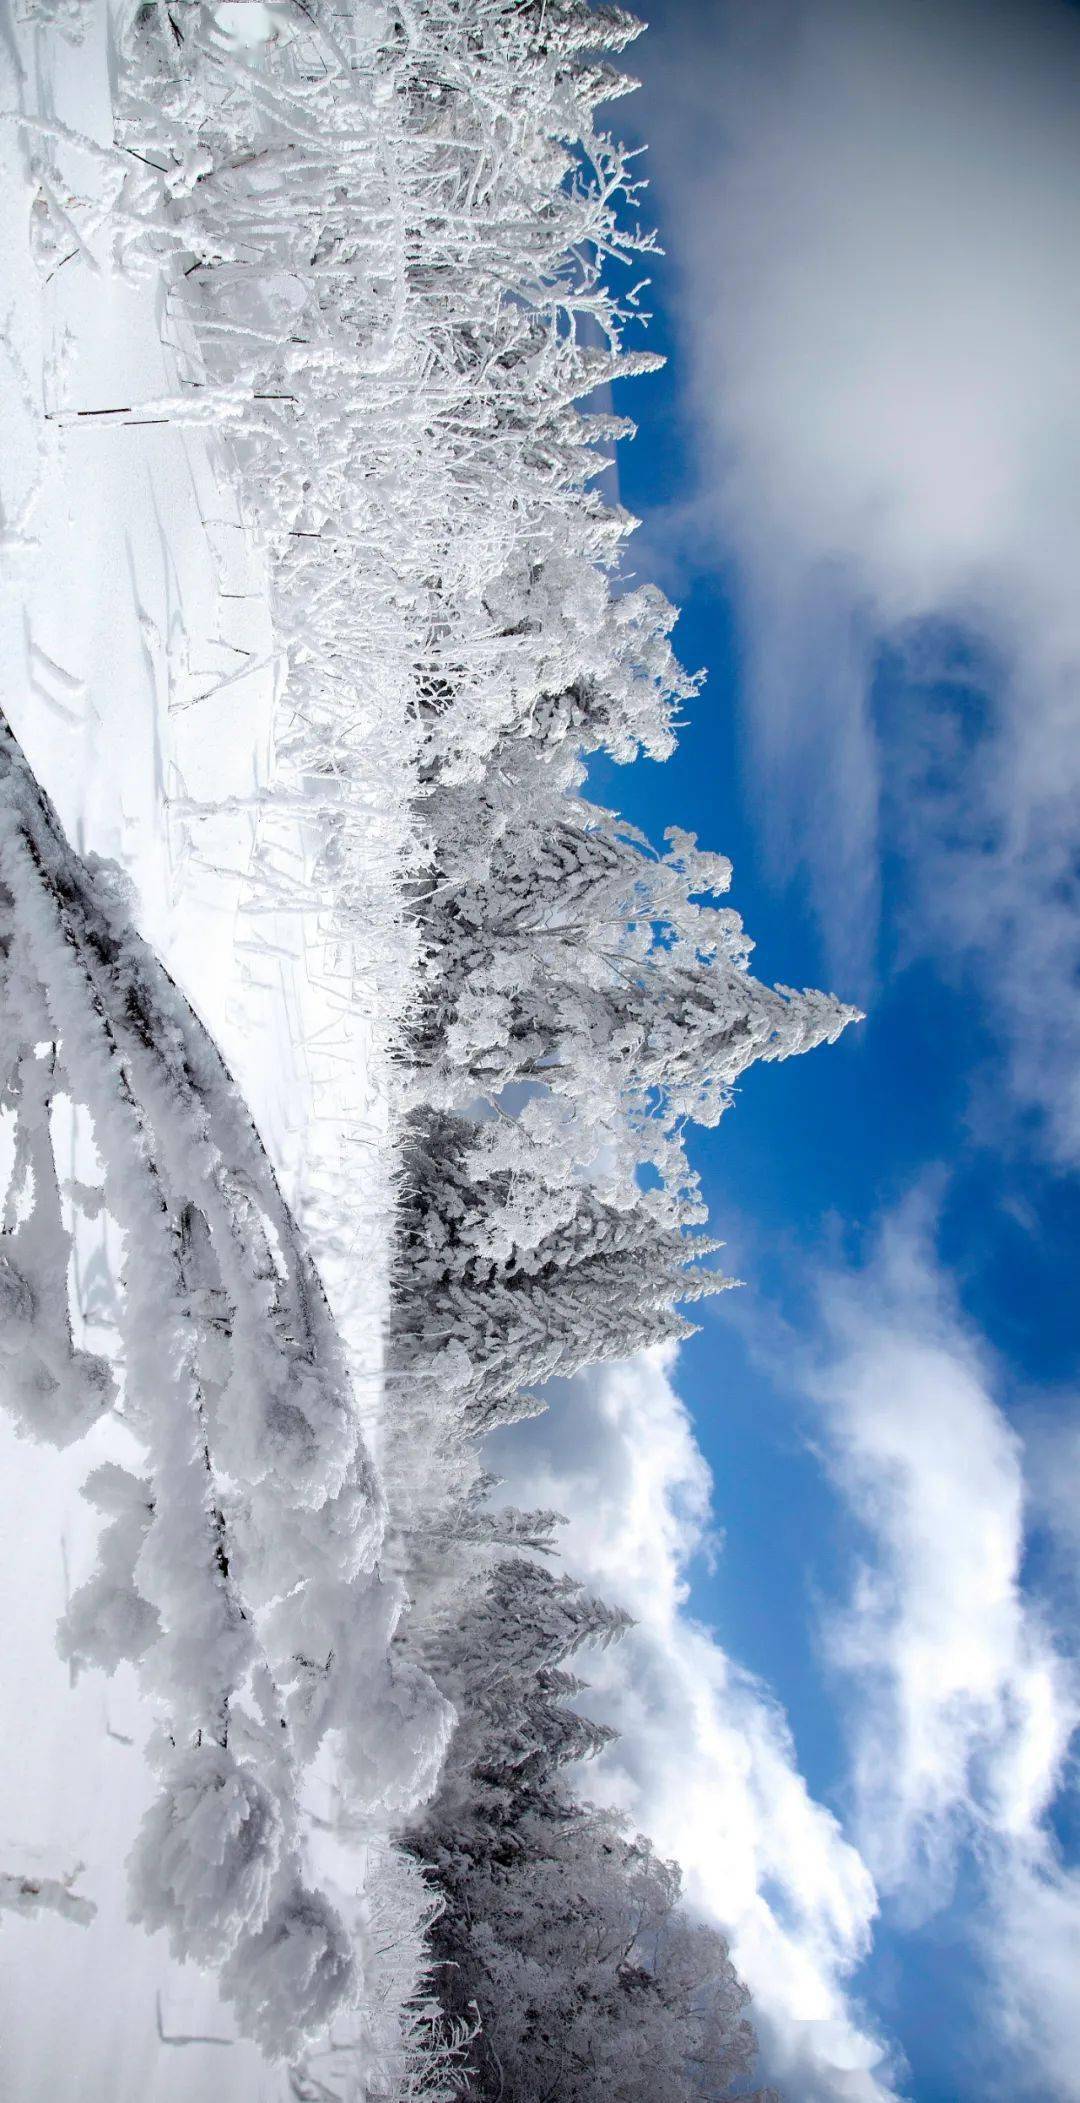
pixel 589 1982
pixel 567 958
pixel 600 1285
pixel 563 1930
pixel 238 1567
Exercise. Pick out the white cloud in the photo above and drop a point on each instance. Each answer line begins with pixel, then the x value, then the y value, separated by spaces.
pixel 1035 1949
pixel 877 214
pixel 705 1763
pixel 962 1706
pixel 966 1707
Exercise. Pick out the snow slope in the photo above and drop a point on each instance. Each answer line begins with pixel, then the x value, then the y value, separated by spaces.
pixel 138 672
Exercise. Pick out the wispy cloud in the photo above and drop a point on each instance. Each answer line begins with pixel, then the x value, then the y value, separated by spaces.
pixel 960 1703
pixel 876 211
pixel 963 1706
pixel 1034 1944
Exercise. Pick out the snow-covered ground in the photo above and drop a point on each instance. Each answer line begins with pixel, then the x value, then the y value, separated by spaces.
pixel 137 669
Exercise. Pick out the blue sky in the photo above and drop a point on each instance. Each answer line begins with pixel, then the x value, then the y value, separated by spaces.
pixel 859 475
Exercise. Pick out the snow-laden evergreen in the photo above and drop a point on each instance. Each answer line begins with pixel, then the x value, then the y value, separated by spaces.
pixel 388 237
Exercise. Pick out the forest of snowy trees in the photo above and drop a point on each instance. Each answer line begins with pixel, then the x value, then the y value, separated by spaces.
pixel 400 251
